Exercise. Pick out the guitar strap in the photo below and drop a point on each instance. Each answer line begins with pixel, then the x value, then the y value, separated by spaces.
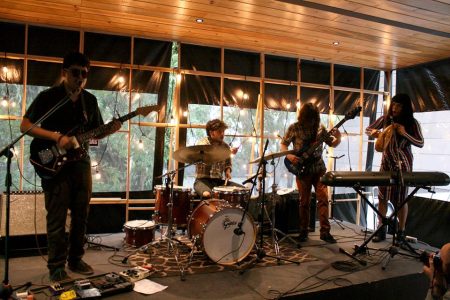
pixel 83 106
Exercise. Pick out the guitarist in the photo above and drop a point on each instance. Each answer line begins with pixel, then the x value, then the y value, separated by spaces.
pixel 303 134
pixel 71 187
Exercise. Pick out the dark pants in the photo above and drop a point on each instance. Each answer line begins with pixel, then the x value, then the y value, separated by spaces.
pixel 70 189
pixel 304 185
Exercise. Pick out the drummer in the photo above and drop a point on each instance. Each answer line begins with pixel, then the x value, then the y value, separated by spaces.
pixel 208 176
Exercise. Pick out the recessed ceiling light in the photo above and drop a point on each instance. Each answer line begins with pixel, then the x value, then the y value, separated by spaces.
pixel 199 20
pixel 335 43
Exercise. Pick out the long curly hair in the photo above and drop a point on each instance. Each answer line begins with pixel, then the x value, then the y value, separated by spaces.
pixel 309 118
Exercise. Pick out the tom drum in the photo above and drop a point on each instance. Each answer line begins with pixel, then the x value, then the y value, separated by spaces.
pixel 181 204
pixel 236 196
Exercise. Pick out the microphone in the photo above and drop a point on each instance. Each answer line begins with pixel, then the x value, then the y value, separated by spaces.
pixel 238 231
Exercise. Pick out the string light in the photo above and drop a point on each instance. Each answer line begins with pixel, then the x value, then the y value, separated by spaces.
pixel 94 163
pixel 5 102
pixel 98 176
pixel 245 96
pixel 185 113
pixel 288 106
pixel 298 104
pixel 140 144
pixel 178 77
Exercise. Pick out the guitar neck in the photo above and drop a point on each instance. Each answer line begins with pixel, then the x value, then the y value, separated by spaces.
pixel 83 137
pixel 323 137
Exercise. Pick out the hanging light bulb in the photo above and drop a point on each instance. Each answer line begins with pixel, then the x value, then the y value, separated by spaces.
pixel 185 113
pixel 5 102
pixel 12 104
pixel 288 106
pixel 140 144
pixel 298 104
pixel 98 176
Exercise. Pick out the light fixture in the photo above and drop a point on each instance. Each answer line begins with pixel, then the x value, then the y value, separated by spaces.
pixel 98 176
pixel 199 20
pixel 140 144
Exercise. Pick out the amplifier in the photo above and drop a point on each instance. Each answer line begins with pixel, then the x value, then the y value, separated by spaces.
pixel 27 214
pixel 287 213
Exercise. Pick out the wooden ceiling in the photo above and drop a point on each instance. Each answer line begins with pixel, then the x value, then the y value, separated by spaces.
pixel 371 33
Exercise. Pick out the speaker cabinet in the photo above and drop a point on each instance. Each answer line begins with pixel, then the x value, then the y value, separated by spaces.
pixel 27 214
pixel 287 213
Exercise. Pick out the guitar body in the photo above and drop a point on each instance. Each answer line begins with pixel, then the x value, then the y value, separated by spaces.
pixel 306 154
pixel 48 159
pixel 299 168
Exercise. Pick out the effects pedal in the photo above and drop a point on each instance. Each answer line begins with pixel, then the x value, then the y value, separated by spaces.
pixel 56 289
pixel 85 289
pixel 135 274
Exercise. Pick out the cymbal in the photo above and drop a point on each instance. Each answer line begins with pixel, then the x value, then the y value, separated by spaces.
pixel 202 153
pixel 273 155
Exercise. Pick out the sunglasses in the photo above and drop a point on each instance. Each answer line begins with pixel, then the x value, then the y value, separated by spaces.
pixel 78 72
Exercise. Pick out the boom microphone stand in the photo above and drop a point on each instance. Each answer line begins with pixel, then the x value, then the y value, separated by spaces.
pixel 260 252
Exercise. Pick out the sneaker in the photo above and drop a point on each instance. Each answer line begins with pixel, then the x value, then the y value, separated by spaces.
pixel 58 275
pixel 81 267
pixel 380 236
pixel 327 237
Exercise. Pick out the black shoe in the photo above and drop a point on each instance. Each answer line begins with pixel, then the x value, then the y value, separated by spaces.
pixel 303 236
pixel 81 267
pixel 400 237
pixel 58 275
pixel 327 237
pixel 380 236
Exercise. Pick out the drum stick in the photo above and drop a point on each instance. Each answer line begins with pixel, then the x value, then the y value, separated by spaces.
pixel 226 181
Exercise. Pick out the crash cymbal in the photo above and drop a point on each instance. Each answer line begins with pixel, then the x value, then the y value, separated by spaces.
pixel 273 155
pixel 202 153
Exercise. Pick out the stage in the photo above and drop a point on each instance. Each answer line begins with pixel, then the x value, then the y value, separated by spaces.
pixel 326 274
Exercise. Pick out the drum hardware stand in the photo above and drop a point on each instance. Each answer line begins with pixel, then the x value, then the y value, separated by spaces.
pixel 260 252
pixel 333 195
pixel 168 236
pixel 273 197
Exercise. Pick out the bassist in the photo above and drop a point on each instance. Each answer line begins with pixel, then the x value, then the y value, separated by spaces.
pixel 304 134
pixel 71 187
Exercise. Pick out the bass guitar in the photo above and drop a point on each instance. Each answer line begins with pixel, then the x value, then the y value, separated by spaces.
pixel 305 154
pixel 48 158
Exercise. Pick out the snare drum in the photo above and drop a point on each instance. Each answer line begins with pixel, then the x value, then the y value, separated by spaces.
pixel 212 225
pixel 181 204
pixel 235 195
pixel 139 232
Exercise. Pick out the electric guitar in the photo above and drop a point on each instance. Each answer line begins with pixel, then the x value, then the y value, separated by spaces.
pixel 48 158
pixel 305 154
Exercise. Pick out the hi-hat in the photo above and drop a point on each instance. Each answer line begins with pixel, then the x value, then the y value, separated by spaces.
pixel 273 155
pixel 202 154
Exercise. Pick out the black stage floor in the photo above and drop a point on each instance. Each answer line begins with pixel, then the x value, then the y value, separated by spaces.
pixel 332 276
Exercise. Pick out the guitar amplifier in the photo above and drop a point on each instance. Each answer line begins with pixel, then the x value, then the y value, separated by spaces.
pixel 27 214
pixel 287 213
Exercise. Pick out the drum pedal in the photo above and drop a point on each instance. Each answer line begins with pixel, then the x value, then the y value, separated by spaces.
pixel 135 274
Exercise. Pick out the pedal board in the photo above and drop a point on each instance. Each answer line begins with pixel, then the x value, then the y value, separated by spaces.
pixel 135 274
pixel 112 284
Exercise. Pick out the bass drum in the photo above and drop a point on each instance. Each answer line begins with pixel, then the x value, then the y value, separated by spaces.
pixel 212 225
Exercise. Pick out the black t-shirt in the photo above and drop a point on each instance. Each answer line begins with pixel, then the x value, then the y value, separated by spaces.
pixel 68 119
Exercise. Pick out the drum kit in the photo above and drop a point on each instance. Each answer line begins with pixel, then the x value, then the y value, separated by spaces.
pixel 220 227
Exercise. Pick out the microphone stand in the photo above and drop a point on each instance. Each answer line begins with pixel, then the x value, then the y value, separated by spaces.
pixel 7 152
pixel 260 252
pixel 333 195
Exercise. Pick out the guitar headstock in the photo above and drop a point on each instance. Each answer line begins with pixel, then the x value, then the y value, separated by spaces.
pixel 352 114
pixel 145 110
